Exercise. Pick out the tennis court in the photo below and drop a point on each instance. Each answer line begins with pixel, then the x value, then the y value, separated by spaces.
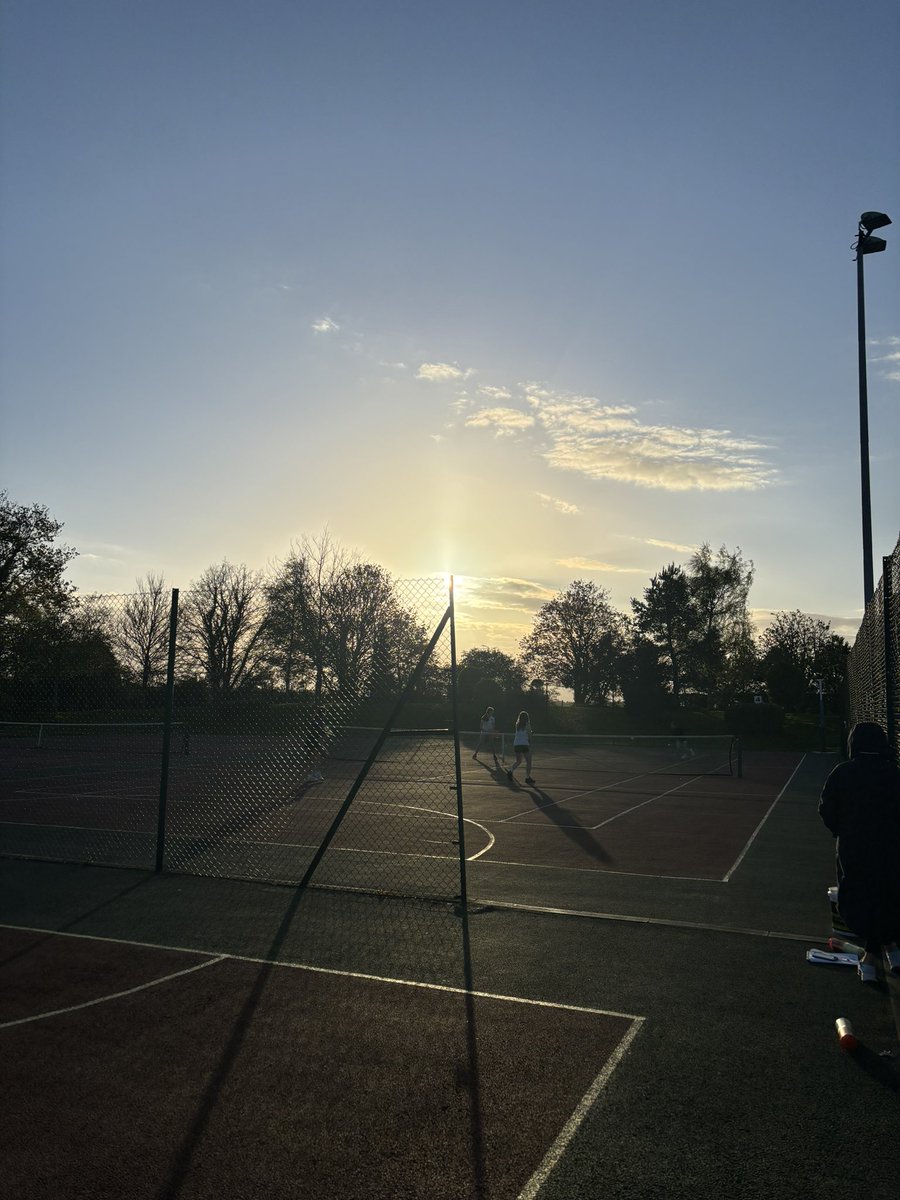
pixel 186 1036
pixel 258 806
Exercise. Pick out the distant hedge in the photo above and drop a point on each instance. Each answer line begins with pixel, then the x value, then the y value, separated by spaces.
pixel 748 719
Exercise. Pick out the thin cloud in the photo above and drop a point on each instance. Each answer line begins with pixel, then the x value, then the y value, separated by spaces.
pixel 609 442
pixel 495 393
pixel 591 564
pixel 325 325
pixel 678 546
pixel 562 506
pixel 441 372
pixel 503 592
pixel 503 421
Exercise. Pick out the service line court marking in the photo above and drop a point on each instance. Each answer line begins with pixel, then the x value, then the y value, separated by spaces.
pixel 560 1143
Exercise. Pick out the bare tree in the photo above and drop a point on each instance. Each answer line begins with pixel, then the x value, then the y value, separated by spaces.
pixel 141 636
pixel 223 623
pixel 299 602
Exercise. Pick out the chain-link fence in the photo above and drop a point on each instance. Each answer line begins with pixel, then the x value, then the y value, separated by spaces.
pixel 305 735
pixel 873 673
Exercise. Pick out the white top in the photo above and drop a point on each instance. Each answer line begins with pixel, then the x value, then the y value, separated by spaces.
pixel 487 724
pixel 522 737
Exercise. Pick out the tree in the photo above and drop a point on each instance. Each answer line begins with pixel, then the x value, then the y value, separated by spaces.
pixel 644 678
pixel 485 671
pixel 32 588
pixel 666 618
pixel 297 611
pixel 222 624
pixel 577 640
pixel 719 588
pixel 798 649
pixel 335 625
pixel 698 619
pixel 141 633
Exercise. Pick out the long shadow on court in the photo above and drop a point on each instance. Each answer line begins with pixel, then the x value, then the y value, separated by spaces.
pixel 583 838
pixel 469 1077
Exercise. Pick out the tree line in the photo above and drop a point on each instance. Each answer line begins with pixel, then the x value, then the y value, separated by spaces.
pixel 324 623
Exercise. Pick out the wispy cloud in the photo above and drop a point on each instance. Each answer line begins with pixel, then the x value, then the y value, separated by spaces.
pixel 892 358
pixel 441 372
pixel 580 434
pixel 503 421
pixel 562 506
pixel 592 564
pixel 503 592
pixel 679 546
pixel 325 325
pixel 495 393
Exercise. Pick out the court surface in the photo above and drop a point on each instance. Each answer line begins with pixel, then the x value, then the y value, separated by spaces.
pixel 609 1034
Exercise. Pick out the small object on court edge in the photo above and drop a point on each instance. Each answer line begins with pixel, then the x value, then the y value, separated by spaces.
pixel 846 1036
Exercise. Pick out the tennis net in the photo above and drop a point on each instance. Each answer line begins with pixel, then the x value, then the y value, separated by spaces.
pixel 671 754
pixel 91 737
pixel 653 754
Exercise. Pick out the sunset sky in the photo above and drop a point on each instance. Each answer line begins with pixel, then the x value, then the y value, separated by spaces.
pixel 526 290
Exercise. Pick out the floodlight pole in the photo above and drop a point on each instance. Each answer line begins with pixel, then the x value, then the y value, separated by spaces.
pixel 868 578
pixel 866 244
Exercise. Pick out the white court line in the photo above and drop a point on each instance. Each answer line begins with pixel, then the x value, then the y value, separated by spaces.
pixel 651 799
pixel 437 812
pixel 740 857
pixel 605 788
pixel 502 862
pixel 571 1127
pixel 576 796
pixel 224 956
pixel 563 1138
pixel 142 987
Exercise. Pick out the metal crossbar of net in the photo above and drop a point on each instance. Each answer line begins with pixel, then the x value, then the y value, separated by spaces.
pixel 873 670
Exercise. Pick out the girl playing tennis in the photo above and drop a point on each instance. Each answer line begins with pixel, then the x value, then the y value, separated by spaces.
pixel 488 735
pixel 522 746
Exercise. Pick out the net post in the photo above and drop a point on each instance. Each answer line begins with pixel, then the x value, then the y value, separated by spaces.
pixel 167 735
pixel 460 820
pixel 739 755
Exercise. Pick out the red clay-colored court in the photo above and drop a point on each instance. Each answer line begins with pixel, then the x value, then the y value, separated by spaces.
pixel 143 1071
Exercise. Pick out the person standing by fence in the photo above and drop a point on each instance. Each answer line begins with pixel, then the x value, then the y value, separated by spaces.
pixel 860 805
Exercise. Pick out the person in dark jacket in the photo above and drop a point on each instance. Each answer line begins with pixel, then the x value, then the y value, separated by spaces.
pixel 860 804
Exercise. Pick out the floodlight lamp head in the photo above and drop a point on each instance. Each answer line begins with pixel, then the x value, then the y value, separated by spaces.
pixel 871 245
pixel 873 220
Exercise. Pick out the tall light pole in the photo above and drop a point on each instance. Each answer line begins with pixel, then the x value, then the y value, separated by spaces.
pixel 866 244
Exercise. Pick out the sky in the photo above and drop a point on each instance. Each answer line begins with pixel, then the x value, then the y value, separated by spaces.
pixel 525 291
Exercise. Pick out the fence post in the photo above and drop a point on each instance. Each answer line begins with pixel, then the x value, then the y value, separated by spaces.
pixel 167 735
pixel 460 819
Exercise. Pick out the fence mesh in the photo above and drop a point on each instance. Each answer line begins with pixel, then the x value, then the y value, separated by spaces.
pixel 873 673
pixel 274 721
pixel 81 729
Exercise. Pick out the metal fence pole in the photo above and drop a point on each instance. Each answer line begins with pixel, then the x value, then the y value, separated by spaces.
pixel 167 735
pixel 460 820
